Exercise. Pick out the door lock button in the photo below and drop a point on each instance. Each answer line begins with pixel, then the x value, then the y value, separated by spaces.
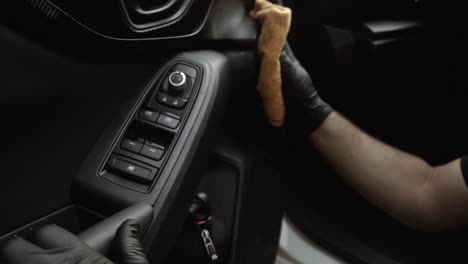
pixel 173 102
pixel 179 103
pixel 164 99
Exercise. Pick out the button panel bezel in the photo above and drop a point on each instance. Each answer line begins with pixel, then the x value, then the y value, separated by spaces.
pixel 151 103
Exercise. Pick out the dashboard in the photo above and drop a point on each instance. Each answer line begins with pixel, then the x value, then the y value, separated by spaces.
pixel 133 20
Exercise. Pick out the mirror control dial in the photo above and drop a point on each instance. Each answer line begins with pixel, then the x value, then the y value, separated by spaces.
pixel 177 82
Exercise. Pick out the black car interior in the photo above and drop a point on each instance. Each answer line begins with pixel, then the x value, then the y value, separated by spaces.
pixel 147 109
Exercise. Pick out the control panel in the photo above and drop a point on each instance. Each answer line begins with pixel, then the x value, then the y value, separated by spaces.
pixel 139 154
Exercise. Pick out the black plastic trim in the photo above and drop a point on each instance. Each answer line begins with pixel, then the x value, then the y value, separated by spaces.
pixel 132 12
pixel 172 193
pixel 129 33
pixel 143 103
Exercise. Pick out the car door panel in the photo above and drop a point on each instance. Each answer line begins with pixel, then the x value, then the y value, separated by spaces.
pixel 48 101
pixel 69 93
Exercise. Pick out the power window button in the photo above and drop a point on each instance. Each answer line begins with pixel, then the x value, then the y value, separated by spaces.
pixel 168 121
pixel 148 115
pixel 151 152
pixel 131 145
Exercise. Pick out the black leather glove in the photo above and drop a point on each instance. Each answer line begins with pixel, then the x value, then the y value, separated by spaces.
pixel 127 247
pixel 305 110
pixel 54 245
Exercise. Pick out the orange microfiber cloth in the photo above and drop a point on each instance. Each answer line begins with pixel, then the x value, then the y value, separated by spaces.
pixel 275 21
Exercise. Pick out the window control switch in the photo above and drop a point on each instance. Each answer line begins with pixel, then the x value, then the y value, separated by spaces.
pixel 152 152
pixel 131 145
pixel 154 145
pixel 168 121
pixel 148 115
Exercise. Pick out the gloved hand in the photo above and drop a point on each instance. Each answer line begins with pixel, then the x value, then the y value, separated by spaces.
pixel 54 245
pixel 305 110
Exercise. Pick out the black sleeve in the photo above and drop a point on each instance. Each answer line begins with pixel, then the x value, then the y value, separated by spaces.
pixel 464 168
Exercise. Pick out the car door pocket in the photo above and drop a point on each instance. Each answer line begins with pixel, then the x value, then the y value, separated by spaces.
pixel 96 230
pixel 101 235
pixel 72 218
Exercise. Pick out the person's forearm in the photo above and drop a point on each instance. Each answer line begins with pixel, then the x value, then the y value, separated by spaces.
pixel 390 178
pixel 401 184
